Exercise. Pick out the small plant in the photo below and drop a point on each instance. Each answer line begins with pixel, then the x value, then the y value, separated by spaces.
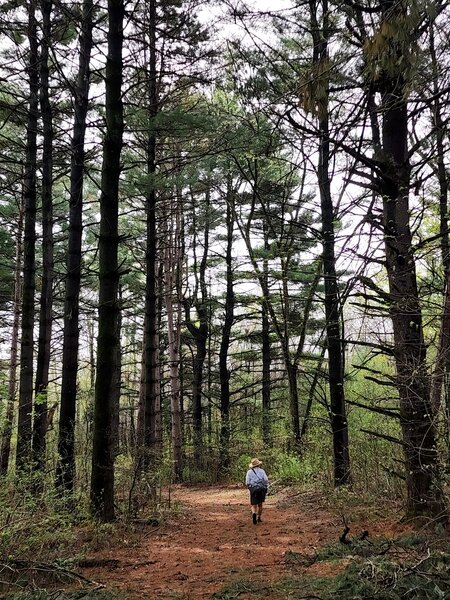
pixel 34 521
pixel 411 539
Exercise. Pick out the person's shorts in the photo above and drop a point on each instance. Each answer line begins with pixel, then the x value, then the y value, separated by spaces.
pixel 257 496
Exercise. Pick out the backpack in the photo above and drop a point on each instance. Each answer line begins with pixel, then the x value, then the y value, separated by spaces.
pixel 258 485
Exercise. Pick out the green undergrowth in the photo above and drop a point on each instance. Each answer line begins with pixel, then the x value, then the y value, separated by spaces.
pixel 406 568
pixel 34 522
pixel 43 539
pixel 356 505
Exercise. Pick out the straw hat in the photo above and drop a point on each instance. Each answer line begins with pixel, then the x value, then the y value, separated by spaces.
pixel 255 462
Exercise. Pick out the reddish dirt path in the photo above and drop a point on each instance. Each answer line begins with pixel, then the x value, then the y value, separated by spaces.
pixel 212 542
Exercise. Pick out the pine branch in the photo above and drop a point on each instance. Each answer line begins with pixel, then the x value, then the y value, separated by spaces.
pixel 370 10
pixel 384 436
pixel 374 287
pixel 385 349
pixel 388 412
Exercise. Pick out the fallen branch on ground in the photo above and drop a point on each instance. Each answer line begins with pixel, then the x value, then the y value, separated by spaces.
pixel 18 565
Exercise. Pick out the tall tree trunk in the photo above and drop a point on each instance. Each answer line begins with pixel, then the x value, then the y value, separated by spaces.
pixel 224 373
pixel 291 364
pixel 266 353
pixel 416 416
pixel 24 430
pixel 117 384
pixel 335 347
pixel 442 365
pixel 5 448
pixel 292 372
pixel 46 300
pixel 102 479
pixel 201 338
pixel 65 473
pixel 200 333
pixel 152 399
pixel 171 264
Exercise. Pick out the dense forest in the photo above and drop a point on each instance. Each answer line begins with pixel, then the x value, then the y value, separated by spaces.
pixel 224 233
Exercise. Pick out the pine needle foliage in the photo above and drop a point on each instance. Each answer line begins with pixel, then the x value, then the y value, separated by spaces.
pixel 378 570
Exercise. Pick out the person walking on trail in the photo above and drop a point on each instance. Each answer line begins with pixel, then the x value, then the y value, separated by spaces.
pixel 257 482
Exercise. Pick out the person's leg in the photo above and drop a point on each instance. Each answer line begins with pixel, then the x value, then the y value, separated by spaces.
pixel 254 513
pixel 260 509
pixel 254 506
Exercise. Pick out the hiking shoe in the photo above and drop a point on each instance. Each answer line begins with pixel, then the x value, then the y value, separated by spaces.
pixel 254 518
pixel 259 520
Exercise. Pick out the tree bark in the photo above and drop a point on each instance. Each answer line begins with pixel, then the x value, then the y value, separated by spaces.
pixel 333 307
pixel 224 372
pixel 46 300
pixel 416 415
pixel 171 265
pixel 266 353
pixel 24 430
pixel 200 333
pixel 117 384
pixel 5 448
pixel 442 365
pixel 65 473
pixel 102 478
pixel 152 441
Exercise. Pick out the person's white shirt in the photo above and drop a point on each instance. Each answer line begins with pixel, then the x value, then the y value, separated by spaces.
pixel 256 475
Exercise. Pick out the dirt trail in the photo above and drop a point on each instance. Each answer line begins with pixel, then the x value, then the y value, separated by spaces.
pixel 212 542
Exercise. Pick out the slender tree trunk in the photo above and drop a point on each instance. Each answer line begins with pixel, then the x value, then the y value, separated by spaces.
pixel 117 384
pixel 416 415
pixel 442 366
pixel 24 431
pixel 292 372
pixel 91 338
pixel 291 365
pixel 200 333
pixel 173 332
pixel 5 448
pixel 46 301
pixel 102 479
pixel 152 399
pixel 224 373
pixel 158 415
pixel 201 338
pixel 65 473
pixel 311 394
pixel 332 301
pixel 139 441
pixel 266 353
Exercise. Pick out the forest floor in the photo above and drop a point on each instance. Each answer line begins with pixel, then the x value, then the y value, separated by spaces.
pixel 209 542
